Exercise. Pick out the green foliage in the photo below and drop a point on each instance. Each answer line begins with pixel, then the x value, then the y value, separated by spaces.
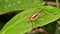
pixel 57 30
pixel 11 5
pixel 20 24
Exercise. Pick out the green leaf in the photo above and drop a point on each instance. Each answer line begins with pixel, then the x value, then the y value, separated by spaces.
pixel 58 22
pixel 20 24
pixel 57 30
pixel 12 5
pixel 50 28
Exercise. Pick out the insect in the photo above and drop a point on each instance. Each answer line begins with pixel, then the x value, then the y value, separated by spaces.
pixel 35 16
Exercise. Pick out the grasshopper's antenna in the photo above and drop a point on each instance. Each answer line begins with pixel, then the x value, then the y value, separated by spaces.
pixel 42 10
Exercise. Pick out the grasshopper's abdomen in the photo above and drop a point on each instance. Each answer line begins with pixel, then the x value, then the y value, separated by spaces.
pixel 34 17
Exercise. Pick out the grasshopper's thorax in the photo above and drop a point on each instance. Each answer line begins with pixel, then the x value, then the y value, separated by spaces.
pixel 34 17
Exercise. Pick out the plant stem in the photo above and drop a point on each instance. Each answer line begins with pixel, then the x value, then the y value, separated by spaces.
pixel 57 3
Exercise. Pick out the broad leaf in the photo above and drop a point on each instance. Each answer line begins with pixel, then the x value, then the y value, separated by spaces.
pixel 20 24
pixel 12 5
